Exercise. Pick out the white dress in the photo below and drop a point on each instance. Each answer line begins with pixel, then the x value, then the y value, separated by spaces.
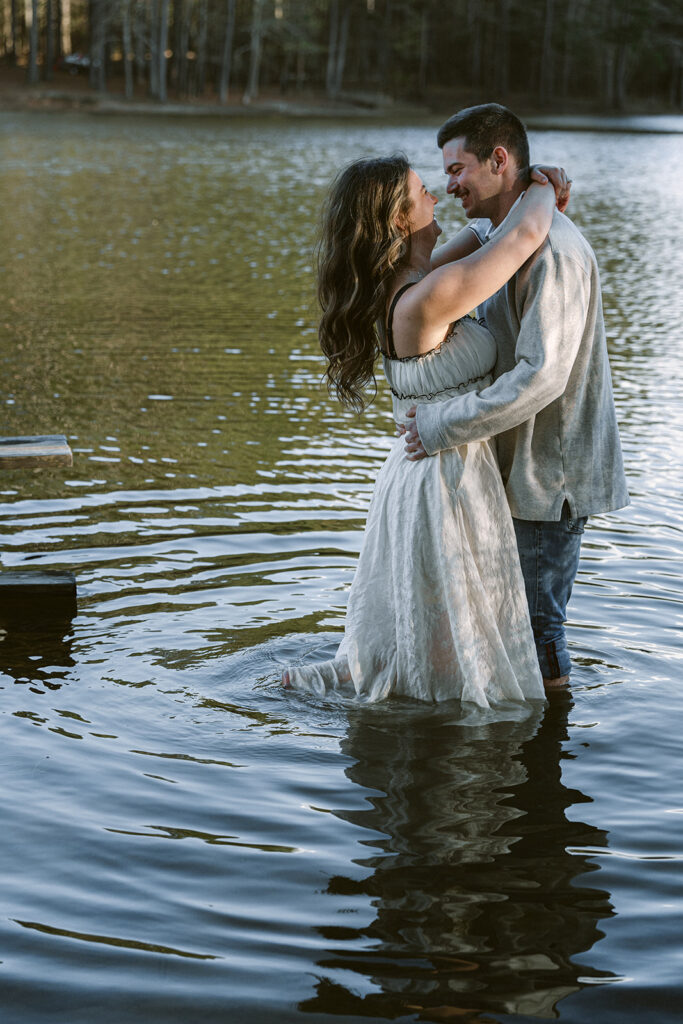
pixel 437 608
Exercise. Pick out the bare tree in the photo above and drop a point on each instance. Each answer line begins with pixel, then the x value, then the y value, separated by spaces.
pixel 332 47
pixel 676 82
pixel 127 48
pixel 34 38
pixel 50 40
pixel 547 56
pixel 226 60
pixel 256 40
pixel 384 50
pixel 342 48
pixel 8 29
pixel 177 19
pixel 501 53
pixel 202 38
pixel 614 44
pixel 424 52
pixel 98 44
pixel 65 12
pixel 572 20
pixel 620 72
pixel 139 15
pixel 153 37
pixel 182 82
pixel 337 47
pixel 163 44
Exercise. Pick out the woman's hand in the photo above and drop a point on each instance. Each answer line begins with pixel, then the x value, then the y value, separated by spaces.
pixel 557 176
pixel 414 447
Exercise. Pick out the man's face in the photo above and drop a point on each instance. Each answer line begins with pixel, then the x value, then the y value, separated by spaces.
pixel 472 182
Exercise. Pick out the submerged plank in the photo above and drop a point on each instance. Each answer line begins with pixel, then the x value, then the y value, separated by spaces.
pixel 30 452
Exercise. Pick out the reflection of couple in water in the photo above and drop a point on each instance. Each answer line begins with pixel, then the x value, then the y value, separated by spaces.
pixel 472 873
pixel 510 434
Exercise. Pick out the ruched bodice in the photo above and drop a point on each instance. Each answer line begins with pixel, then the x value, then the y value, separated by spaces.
pixel 463 362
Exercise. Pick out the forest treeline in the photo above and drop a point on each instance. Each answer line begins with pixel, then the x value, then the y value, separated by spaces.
pixel 611 54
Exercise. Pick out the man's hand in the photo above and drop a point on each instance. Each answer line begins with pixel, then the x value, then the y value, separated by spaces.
pixel 414 446
pixel 557 176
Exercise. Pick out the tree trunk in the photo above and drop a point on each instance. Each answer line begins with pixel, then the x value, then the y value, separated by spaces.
pixel 16 34
pixel 424 53
pixel 620 76
pixel 676 83
pixel 153 36
pixel 384 50
pixel 363 38
pixel 545 84
pixel 98 45
pixel 139 42
pixel 300 68
pixel 163 44
pixel 607 55
pixel 254 51
pixel 7 33
pixel 342 47
pixel 33 26
pixel 475 27
pixel 65 8
pixel 608 62
pixel 182 78
pixel 92 25
pixel 226 60
pixel 502 51
pixel 571 19
pixel 177 36
pixel 202 38
pixel 50 55
pixel 332 47
pixel 127 49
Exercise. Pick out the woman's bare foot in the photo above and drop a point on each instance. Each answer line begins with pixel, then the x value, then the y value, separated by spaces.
pixel 286 681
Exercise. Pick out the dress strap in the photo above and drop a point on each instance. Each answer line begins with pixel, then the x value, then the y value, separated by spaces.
pixel 390 319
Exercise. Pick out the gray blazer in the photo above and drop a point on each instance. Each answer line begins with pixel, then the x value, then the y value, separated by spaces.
pixel 551 406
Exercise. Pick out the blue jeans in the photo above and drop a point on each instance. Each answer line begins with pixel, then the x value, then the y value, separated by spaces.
pixel 549 554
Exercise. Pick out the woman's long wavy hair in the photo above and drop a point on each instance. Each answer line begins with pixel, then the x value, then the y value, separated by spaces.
pixel 361 248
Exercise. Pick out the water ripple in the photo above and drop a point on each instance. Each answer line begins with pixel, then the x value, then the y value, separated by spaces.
pixel 327 860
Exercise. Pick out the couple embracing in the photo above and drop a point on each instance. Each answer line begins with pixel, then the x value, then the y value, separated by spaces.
pixel 508 432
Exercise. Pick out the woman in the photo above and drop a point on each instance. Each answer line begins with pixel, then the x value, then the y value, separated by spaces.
pixel 437 609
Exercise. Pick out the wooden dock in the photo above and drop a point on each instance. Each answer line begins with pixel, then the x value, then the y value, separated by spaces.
pixel 30 599
pixel 34 452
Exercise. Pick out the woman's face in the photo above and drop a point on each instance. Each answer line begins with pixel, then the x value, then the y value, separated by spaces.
pixel 422 205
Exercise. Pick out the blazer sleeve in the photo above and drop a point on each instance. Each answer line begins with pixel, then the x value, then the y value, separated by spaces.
pixel 551 298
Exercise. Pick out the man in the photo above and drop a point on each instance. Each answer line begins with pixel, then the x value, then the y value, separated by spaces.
pixel 550 406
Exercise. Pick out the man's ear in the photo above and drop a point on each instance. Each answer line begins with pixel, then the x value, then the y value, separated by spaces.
pixel 499 160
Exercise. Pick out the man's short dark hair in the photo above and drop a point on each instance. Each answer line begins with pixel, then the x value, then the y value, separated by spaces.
pixel 483 128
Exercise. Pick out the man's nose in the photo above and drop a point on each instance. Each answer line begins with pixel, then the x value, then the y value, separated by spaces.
pixel 452 186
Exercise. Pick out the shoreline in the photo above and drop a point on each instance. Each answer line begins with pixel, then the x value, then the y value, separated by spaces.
pixel 81 100
pixel 61 101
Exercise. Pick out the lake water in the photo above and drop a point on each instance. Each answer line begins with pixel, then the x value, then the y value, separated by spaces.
pixel 181 840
